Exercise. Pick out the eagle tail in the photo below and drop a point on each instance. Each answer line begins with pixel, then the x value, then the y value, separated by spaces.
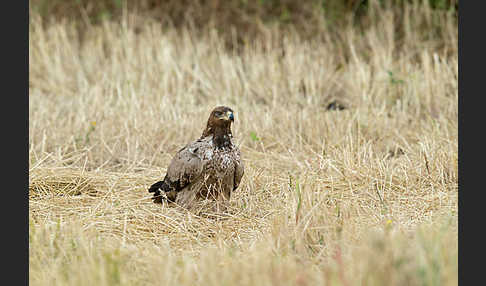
pixel 157 189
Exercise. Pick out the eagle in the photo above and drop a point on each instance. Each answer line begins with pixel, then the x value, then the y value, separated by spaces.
pixel 207 168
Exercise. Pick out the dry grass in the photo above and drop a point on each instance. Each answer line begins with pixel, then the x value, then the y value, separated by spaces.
pixel 362 196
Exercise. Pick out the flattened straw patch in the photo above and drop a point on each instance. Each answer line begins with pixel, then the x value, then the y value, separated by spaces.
pixel 61 183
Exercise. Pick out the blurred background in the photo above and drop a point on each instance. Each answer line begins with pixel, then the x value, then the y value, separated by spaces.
pixel 240 21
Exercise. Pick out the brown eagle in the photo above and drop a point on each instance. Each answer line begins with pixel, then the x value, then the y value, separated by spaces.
pixel 208 168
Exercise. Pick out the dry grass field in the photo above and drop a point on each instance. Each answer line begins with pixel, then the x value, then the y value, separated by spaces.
pixel 366 195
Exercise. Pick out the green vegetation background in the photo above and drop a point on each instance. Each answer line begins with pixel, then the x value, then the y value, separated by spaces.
pixel 237 20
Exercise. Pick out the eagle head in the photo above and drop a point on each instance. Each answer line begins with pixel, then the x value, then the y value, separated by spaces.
pixel 221 116
pixel 220 121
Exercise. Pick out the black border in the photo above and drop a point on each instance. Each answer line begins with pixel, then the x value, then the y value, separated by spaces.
pixel 469 215
pixel 15 144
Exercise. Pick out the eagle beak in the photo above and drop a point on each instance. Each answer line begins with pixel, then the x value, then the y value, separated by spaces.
pixel 228 116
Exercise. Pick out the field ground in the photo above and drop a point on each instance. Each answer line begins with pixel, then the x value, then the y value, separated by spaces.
pixel 364 195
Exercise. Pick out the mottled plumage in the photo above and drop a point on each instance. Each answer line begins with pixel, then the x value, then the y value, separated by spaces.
pixel 209 167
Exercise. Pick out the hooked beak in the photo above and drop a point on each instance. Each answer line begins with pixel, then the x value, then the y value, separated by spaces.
pixel 228 116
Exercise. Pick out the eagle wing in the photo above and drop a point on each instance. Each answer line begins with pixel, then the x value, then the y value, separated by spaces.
pixel 239 171
pixel 188 164
pixel 185 168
